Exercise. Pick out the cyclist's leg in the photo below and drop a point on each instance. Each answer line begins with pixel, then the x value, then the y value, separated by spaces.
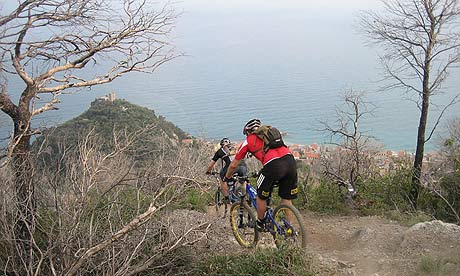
pixel 267 178
pixel 223 186
pixel 242 172
pixel 288 182
pixel 261 207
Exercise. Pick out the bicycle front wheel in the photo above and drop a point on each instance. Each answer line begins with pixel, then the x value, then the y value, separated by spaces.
pixel 289 227
pixel 243 221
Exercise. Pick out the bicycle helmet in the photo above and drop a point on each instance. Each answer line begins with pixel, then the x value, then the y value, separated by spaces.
pixel 251 126
pixel 224 142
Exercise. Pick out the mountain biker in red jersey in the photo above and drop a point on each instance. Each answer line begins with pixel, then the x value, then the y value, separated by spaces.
pixel 279 166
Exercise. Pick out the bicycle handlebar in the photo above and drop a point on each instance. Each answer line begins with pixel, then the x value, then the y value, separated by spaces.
pixel 236 177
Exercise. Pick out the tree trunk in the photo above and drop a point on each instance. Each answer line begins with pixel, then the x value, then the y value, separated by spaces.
pixel 418 160
pixel 24 187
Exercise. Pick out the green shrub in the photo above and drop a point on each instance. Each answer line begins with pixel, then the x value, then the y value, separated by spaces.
pixel 259 262
pixel 130 202
pixel 450 185
pixel 387 193
pixel 432 204
pixel 304 181
pixel 303 196
pixel 194 200
pixel 327 198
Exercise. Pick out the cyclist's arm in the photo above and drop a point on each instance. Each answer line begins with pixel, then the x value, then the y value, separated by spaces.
pixel 240 154
pixel 218 155
pixel 231 169
pixel 210 166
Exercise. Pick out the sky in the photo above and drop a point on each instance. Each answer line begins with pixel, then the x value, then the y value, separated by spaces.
pixel 235 5
pixel 334 5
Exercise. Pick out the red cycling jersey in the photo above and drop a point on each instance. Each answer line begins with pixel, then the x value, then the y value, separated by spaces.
pixel 254 145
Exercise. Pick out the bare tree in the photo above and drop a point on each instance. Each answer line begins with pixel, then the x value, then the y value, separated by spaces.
pixel 346 133
pixel 54 46
pixel 421 42
pixel 351 161
pixel 99 213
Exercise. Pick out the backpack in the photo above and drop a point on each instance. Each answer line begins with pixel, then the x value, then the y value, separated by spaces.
pixel 271 137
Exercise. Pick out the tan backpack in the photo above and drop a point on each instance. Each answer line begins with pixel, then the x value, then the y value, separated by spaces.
pixel 271 137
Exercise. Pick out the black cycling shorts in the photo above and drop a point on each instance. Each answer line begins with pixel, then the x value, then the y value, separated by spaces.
pixel 222 172
pixel 282 171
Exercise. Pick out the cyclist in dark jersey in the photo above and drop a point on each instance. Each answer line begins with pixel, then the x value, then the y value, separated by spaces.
pixel 225 154
pixel 278 166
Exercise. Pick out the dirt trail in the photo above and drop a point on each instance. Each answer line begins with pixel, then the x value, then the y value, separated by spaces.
pixel 368 246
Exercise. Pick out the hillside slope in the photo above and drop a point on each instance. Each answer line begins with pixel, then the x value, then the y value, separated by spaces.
pixel 113 123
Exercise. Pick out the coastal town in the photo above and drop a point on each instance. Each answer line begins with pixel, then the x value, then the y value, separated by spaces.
pixel 386 160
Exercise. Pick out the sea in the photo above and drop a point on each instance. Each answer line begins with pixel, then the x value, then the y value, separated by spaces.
pixel 288 63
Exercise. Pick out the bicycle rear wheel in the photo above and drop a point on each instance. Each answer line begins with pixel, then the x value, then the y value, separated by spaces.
pixel 290 228
pixel 220 203
pixel 243 221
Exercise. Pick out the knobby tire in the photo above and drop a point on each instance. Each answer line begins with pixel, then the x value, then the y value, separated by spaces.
pixel 295 233
pixel 243 226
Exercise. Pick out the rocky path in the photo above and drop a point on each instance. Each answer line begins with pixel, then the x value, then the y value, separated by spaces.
pixel 367 246
pixel 376 246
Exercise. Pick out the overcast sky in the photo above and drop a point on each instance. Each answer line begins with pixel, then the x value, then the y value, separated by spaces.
pixel 322 6
pixel 334 5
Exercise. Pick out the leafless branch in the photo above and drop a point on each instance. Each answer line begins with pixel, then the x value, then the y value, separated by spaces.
pixel 454 101
pixel 134 224
pixel 353 143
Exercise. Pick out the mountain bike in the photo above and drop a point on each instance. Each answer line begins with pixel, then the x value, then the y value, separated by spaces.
pixel 284 222
pixel 234 194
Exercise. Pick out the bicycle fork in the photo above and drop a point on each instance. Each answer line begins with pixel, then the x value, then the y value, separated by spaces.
pixel 241 223
pixel 240 214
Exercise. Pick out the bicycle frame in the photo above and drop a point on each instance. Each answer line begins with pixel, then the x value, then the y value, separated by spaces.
pixel 283 230
pixel 252 193
pixel 232 195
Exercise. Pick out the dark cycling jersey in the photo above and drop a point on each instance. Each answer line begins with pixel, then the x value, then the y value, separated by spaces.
pixel 226 160
pixel 222 154
pixel 254 145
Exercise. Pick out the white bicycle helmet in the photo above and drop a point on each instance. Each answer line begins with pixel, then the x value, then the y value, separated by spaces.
pixel 251 126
